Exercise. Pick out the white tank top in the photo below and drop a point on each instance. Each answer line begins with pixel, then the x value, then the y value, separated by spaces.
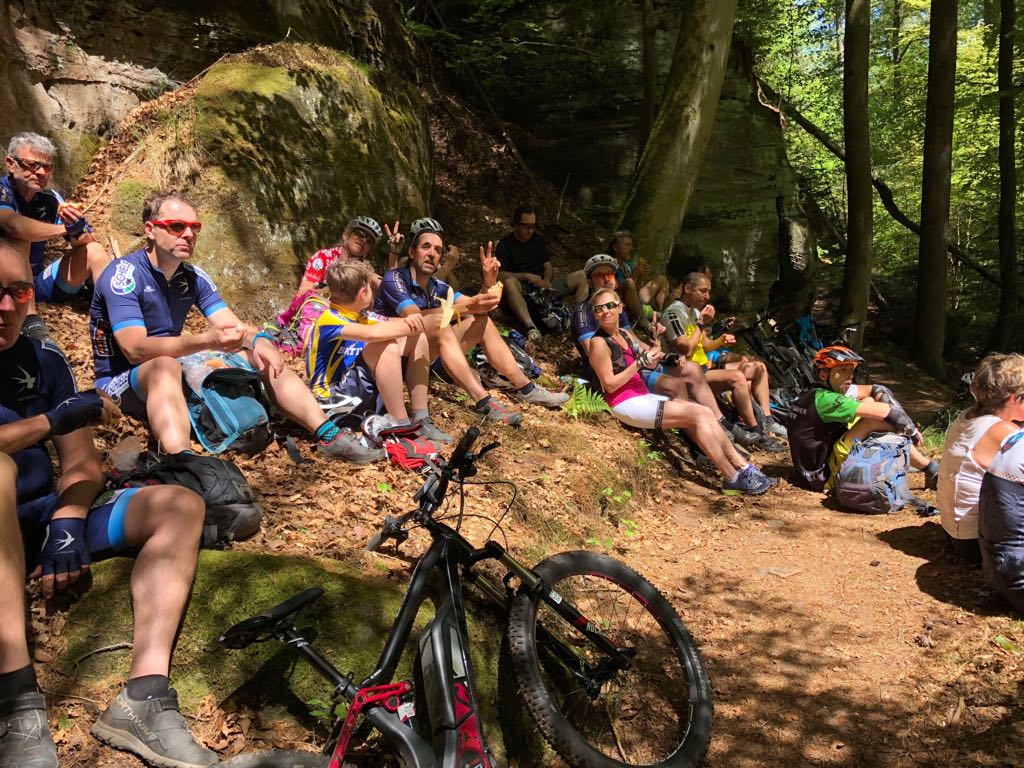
pixel 960 476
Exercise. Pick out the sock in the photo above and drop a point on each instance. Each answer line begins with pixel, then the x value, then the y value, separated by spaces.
pixel 327 431
pixel 527 388
pixel 148 687
pixel 482 405
pixel 18 682
pixel 735 474
pixel 419 415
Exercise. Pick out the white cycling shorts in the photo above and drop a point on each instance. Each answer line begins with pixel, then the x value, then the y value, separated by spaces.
pixel 639 411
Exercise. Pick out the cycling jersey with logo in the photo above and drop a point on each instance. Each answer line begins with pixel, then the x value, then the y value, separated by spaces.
pixel 398 290
pixel 43 207
pixel 132 292
pixel 821 417
pixel 34 378
pixel 329 355
pixel 681 320
pixel 320 262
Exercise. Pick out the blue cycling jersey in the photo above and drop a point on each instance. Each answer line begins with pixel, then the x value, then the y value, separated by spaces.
pixel 34 378
pixel 398 290
pixel 132 292
pixel 42 207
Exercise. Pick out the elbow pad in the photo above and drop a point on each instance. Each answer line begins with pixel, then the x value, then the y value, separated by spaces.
pixel 899 419
pixel 883 394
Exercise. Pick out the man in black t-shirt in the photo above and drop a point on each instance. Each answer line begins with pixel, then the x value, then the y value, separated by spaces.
pixel 525 266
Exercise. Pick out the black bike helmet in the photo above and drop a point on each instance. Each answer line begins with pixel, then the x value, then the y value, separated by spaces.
pixel 424 224
pixel 366 224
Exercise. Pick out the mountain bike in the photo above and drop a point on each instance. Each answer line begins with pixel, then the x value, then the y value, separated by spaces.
pixel 601 660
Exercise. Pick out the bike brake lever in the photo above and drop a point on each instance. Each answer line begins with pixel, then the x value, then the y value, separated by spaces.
pixel 487 449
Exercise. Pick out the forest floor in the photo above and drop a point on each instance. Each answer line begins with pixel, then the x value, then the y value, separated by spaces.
pixel 830 638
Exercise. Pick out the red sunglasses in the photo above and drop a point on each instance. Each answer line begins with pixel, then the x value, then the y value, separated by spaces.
pixel 20 291
pixel 178 226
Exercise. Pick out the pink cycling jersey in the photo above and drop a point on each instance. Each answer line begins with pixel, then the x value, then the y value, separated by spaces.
pixel 632 388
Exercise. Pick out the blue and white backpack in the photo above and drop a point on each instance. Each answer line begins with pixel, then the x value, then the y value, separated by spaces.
pixel 873 479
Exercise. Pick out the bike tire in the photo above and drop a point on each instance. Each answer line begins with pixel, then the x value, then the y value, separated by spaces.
pixel 277 758
pixel 661 706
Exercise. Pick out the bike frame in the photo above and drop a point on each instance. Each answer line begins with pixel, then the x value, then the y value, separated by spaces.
pixel 448 674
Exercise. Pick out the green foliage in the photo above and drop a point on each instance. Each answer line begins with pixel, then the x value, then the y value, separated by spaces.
pixel 646 455
pixel 630 528
pixel 611 496
pixel 602 542
pixel 585 404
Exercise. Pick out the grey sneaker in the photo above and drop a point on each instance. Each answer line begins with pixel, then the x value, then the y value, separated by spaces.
pixel 742 436
pixel 541 396
pixel 351 447
pixel 25 740
pixel 771 425
pixel 154 730
pixel 533 335
pixel 497 411
pixel 430 431
pixel 769 444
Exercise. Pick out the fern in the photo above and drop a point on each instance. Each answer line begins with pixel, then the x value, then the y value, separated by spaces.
pixel 585 404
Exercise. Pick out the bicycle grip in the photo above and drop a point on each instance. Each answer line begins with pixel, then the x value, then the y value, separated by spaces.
pixel 459 454
pixel 376 541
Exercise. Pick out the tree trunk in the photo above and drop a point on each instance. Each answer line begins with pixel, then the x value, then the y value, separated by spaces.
pixel 897 54
pixel 853 305
pixel 930 315
pixel 838 15
pixel 671 161
pixel 650 69
pixel 1006 326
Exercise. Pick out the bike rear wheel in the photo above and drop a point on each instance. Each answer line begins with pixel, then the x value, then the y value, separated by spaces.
pixel 655 713
pixel 277 758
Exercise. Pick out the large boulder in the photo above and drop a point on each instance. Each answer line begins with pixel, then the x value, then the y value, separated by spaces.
pixel 74 70
pixel 280 147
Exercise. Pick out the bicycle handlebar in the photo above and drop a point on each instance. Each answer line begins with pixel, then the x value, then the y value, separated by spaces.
pixel 458 457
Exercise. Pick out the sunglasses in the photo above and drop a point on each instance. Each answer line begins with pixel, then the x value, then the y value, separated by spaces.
pixel 363 235
pixel 20 291
pixel 33 166
pixel 178 226
pixel 607 307
pixel 526 226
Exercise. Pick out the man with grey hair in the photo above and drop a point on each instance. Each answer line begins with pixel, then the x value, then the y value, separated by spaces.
pixel 31 214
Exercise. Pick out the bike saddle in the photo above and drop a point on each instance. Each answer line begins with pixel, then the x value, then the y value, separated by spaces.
pixel 262 626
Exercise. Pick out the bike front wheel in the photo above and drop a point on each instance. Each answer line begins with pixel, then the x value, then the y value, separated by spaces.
pixel 277 758
pixel 595 714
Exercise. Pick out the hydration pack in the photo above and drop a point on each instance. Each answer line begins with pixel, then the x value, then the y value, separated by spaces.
pixel 873 479
pixel 405 446
pixel 547 310
pixel 232 513
pixel 226 404
pixel 296 323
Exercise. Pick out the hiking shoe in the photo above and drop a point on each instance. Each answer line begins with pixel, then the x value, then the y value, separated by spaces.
pixel 497 411
pixel 351 447
pixel 533 335
pixel 152 729
pixel 770 445
pixel 541 396
pixel 931 479
pixel 750 481
pixel 35 328
pixel 429 430
pixel 25 740
pixel 741 435
pixel 771 425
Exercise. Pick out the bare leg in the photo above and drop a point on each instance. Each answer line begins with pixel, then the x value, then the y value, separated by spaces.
pixel 83 261
pixel 385 360
pixel 13 647
pixel 446 345
pixel 293 397
pixel 865 427
pixel 757 374
pixel 692 377
pixel 160 380
pixel 417 370
pixel 702 426
pixel 164 523
pixel 512 297
pixel 497 351
pixel 735 382
pixel 578 286
pixel 655 291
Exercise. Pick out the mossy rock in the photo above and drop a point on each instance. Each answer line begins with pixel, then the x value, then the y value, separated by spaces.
pixel 349 625
pixel 126 206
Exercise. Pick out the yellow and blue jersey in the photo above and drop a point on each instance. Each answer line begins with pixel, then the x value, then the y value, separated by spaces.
pixel 328 355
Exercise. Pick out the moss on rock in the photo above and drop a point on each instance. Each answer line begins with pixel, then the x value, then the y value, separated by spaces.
pixel 126 205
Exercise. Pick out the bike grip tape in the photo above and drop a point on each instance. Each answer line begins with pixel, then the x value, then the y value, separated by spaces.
pixel 464 445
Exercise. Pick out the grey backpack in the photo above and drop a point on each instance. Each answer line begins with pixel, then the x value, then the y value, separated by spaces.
pixel 873 479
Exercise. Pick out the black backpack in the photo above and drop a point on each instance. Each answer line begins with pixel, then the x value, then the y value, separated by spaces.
pixel 232 513
pixel 546 310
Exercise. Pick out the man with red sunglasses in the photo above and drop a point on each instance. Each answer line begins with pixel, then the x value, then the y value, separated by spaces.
pixel 137 315
pixel 31 214
pixel 61 524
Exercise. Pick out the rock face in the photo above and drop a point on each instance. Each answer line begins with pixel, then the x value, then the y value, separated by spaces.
pixel 580 129
pixel 274 145
pixel 74 70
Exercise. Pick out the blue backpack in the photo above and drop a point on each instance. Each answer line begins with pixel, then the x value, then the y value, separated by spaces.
pixel 226 404
pixel 873 479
